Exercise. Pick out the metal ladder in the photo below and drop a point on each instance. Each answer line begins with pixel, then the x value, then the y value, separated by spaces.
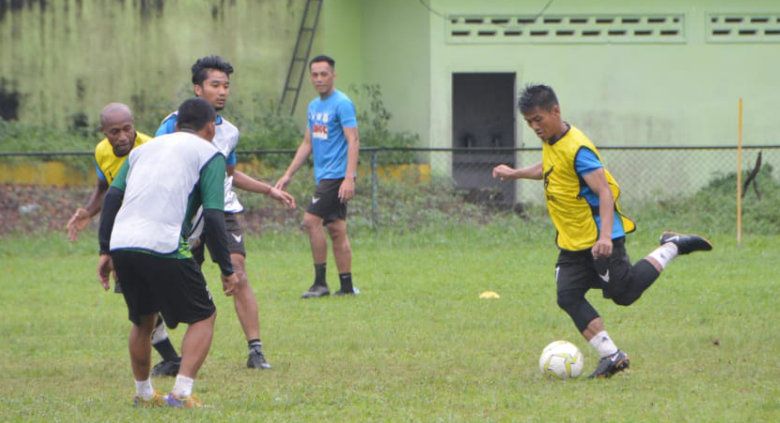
pixel 300 57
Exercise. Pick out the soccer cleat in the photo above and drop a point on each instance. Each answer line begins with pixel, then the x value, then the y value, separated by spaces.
pixel 157 400
pixel 316 291
pixel 610 365
pixel 166 368
pixel 257 360
pixel 686 243
pixel 342 292
pixel 183 402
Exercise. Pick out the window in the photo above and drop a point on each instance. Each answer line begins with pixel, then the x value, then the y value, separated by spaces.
pixel 651 28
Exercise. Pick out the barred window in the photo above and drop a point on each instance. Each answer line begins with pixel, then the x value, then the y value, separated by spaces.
pixel 655 28
pixel 740 28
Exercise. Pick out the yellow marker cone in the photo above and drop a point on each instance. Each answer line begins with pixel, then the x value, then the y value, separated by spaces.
pixel 488 295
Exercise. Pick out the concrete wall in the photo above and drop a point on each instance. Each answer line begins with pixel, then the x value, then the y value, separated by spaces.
pixel 65 59
pixel 384 43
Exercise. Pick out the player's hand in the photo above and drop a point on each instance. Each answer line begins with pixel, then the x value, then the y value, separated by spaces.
pixel 281 184
pixel 283 197
pixel 104 268
pixel 602 248
pixel 77 223
pixel 229 284
pixel 503 172
pixel 347 190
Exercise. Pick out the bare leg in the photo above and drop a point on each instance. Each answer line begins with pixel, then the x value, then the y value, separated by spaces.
pixel 140 346
pixel 195 346
pixel 342 251
pixel 595 326
pixel 244 300
pixel 312 224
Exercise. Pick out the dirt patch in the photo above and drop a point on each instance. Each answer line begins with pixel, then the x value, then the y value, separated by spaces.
pixel 31 208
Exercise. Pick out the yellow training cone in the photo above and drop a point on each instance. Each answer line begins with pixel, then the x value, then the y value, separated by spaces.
pixel 487 295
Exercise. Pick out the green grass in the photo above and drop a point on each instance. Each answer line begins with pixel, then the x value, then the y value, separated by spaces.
pixel 416 345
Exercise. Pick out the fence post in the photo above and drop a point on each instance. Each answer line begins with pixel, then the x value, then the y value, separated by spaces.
pixel 374 189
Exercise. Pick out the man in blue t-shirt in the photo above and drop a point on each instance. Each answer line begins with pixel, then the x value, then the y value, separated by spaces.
pixel 332 139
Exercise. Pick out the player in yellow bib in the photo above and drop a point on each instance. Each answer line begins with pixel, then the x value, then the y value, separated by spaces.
pixel 116 122
pixel 581 197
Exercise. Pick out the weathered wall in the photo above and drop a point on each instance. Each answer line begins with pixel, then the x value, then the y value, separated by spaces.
pixel 65 59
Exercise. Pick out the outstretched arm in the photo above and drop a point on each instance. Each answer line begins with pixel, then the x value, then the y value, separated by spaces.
pixel 506 173
pixel 248 183
pixel 300 157
pixel 82 216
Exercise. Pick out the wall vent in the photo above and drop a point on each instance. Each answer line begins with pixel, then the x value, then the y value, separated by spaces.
pixel 738 28
pixel 655 28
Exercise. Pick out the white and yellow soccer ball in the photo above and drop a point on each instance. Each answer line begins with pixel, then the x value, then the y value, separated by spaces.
pixel 561 360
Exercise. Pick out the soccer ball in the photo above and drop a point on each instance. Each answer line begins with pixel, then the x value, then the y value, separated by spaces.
pixel 561 360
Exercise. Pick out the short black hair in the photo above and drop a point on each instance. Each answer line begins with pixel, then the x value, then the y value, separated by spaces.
pixel 195 114
pixel 537 96
pixel 323 58
pixel 200 70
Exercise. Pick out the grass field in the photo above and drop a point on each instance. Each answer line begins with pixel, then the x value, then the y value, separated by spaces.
pixel 416 345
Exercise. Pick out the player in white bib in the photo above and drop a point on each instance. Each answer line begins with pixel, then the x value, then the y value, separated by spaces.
pixel 211 82
pixel 146 214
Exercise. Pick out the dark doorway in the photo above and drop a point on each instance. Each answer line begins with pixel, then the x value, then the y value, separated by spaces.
pixel 483 116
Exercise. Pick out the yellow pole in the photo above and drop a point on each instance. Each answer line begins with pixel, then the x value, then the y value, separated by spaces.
pixel 739 176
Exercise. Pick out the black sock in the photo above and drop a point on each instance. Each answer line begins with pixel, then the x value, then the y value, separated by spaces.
pixel 346 281
pixel 166 350
pixel 319 274
pixel 255 344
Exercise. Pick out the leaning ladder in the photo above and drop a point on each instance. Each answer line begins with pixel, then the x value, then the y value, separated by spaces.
pixel 295 73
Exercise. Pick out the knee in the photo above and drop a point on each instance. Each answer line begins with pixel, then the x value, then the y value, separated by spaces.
pixel 623 300
pixel 310 223
pixel 338 234
pixel 568 302
pixel 239 268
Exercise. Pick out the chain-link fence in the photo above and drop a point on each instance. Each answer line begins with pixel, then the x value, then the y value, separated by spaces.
pixel 400 186
pixel 645 174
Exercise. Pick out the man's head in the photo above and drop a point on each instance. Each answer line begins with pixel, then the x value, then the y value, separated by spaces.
pixel 322 72
pixel 211 80
pixel 116 122
pixel 197 115
pixel 541 111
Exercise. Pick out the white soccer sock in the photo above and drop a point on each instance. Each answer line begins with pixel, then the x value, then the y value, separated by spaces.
pixel 144 389
pixel 183 386
pixel 664 254
pixel 159 334
pixel 603 344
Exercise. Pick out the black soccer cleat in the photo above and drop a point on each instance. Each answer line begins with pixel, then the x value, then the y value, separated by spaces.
pixel 343 292
pixel 686 244
pixel 610 365
pixel 166 368
pixel 257 360
pixel 316 291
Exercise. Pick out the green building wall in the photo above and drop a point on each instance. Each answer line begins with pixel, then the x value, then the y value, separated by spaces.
pixel 681 89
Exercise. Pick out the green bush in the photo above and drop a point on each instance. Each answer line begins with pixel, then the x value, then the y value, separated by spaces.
pixel 713 208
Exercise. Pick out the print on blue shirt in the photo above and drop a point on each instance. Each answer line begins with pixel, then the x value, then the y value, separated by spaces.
pixel 327 120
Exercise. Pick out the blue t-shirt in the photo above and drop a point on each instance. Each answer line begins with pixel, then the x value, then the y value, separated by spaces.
pixel 327 120
pixel 168 126
pixel 585 162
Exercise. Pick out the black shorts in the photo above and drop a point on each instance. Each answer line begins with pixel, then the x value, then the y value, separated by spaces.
pixel 576 271
pixel 152 284
pixel 235 238
pixel 326 203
